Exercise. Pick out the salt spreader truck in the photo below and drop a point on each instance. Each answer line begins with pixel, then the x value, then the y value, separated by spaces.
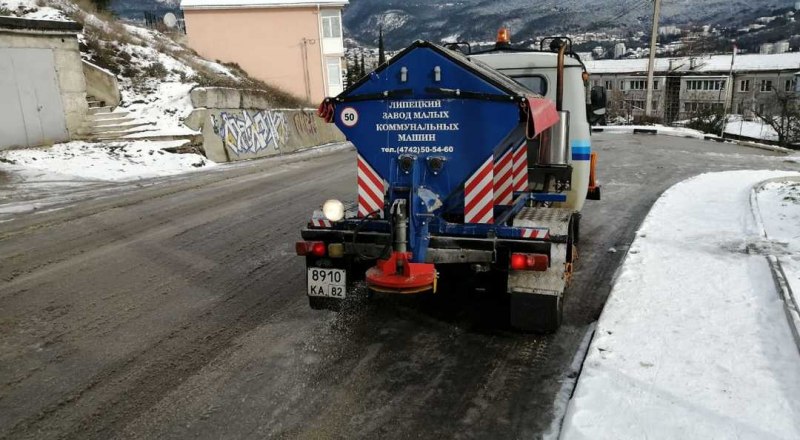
pixel 462 171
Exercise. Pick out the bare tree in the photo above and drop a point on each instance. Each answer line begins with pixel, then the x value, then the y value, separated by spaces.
pixel 708 119
pixel 783 115
pixel 616 106
pixel 101 5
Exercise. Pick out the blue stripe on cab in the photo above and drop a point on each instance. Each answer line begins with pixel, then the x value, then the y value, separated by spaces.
pixel 581 150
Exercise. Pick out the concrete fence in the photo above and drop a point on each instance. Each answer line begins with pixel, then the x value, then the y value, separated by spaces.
pixel 240 124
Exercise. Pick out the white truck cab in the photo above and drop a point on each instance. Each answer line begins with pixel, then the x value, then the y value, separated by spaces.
pixel 538 70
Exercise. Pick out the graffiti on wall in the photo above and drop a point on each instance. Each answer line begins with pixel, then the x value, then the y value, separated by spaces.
pixel 305 123
pixel 251 132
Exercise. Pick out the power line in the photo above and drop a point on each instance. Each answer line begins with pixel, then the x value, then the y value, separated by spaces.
pixel 641 4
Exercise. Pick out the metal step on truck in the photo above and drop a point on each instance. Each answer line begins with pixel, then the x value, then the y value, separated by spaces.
pixel 479 162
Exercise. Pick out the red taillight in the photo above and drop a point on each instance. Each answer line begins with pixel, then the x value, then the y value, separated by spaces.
pixel 315 248
pixel 301 248
pixel 318 248
pixel 519 261
pixel 537 262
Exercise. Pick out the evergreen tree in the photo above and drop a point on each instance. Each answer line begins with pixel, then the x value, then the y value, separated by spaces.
pixel 101 5
pixel 363 69
pixel 348 73
pixel 381 49
pixel 352 70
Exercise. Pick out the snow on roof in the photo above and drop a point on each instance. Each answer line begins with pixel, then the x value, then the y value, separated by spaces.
pixel 706 64
pixel 228 4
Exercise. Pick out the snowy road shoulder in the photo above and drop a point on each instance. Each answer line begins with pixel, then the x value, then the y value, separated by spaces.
pixel 693 342
pixel 33 179
pixel 777 208
pixel 111 161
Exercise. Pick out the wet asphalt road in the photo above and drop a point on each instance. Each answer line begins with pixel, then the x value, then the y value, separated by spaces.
pixel 176 309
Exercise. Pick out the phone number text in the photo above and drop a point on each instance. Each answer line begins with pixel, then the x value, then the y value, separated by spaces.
pixel 417 150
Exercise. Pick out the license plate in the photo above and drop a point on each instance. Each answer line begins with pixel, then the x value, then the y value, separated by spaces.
pixel 328 283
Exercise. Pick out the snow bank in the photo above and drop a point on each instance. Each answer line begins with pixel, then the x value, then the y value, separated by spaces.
pixel 115 161
pixel 164 110
pixel 662 129
pixel 752 129
pixel 779 206
pixel 693 342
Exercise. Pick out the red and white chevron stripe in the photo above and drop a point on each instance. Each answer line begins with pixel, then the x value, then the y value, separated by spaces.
pixel 520 168
pixel 321 223
pixel 535 233
pixel 503 179
pixel 318 220
pixel 479 195
pixel 371 190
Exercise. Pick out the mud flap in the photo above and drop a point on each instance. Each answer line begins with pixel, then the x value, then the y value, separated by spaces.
pixel 593 193
pixel 536 298
pixel 536 313
pixel 317 303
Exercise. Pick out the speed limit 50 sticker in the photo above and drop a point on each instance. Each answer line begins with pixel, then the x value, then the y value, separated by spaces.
pixel 349 117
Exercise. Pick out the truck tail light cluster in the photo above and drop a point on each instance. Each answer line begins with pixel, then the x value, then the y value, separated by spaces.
pixel 310 248
pixel 535 262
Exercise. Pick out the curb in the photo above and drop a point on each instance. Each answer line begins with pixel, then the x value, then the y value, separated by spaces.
pixel 791 305
pixel 631 129
pixel 622 129
pixel 762 146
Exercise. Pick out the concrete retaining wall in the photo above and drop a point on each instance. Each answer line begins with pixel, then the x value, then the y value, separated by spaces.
pixel 240 125
pixel 101 84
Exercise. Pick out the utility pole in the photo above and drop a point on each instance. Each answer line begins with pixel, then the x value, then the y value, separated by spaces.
pixel 728 94
pixel 648 107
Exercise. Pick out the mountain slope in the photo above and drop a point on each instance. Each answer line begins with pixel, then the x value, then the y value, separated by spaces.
pixel 404 21
pixel 477 20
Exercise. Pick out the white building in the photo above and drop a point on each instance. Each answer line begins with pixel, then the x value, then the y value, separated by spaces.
pixel 619 50
pixel 669 30
pixel 781 47
pixel 684 86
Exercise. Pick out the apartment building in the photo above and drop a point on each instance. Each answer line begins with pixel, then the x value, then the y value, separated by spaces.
pixel 684 86
pixel 295 45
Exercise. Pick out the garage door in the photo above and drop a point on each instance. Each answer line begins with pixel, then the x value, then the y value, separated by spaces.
pixel 31 112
